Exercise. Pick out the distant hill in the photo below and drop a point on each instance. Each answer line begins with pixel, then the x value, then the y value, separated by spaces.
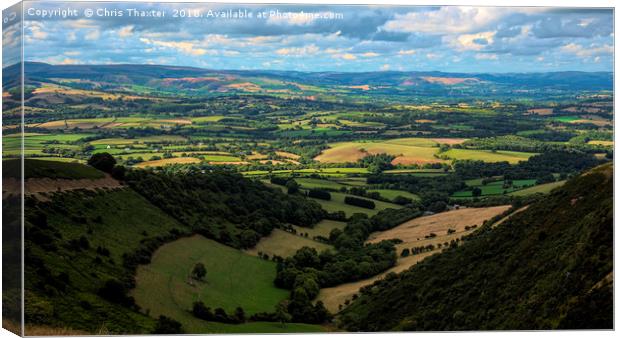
pixel 548 267
pixel 197 81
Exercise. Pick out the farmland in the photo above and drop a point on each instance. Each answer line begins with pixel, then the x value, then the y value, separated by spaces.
pixel 293 190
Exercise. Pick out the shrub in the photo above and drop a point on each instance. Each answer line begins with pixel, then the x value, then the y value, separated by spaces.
pixel 359 202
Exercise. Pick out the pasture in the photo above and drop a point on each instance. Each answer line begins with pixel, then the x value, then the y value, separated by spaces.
pixel 285 244
pixel 233 279
pixel 337 204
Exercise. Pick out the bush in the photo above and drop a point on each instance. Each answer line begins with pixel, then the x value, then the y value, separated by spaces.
pixel 320 194
pixel 102 161
pixel 359 202
pixel 166 325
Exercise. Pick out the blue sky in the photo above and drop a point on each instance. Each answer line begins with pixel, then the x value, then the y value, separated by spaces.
pixel 358 38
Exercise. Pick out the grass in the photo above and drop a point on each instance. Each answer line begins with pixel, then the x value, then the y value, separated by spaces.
pixel 233 279
pixel 337 204
pixel 317 183
pixel 323 228
pixel 488 155
pixel 392 194
pixel 285 244
pixel 541 188
pixel 50 169
pixel 494 188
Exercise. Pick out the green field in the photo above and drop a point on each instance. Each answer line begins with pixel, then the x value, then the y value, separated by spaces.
pixel 315 183
pixel 488 155
pixel 541 188
pixel 285 244
pixel 233 279
pixel 336 172
pixel 337 204
pixel 323 228
pixel 392 194
pixel 494 188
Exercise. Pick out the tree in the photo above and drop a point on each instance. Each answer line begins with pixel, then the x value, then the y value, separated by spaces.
pixel 476 192
pixel 282 314
pixel 199 272
pixel 292 187
pixel 240 314
pixel 166 325
pixel 102 161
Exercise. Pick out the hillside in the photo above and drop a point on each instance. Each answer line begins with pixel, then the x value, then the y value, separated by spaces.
pixel 84 246
pixel 140 79
pixel 547 267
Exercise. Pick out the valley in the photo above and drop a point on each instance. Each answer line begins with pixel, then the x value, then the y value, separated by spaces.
pixel 303 196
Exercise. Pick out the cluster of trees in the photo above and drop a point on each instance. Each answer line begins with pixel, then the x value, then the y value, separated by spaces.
pixel 377 163
pixel 320 194
pixel 201 311
pixel 224 206
pixel 539 167
pixel 359 202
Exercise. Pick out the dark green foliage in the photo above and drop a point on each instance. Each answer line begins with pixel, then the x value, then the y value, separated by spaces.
pixel 199 271
pixel 167 325
pixel 116 292
pixel 224 206
pixel 377 163
pixel 535 271
pixel 359 202
pixel 49 169
pixel 102 161
pixel 320 194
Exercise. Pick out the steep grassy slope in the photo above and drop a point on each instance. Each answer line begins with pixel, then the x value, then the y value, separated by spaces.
pixel 547 267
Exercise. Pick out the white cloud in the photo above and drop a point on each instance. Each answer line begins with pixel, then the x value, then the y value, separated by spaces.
pixel 584 52
pixel 385 67
pixel 407 52
pixel 485 56
pixel 432 56
pixel 447 20
pixel 92 35
pixel 475 41
pixel 370 55
pixel 298 51
pixel 125 31
pixel 185 47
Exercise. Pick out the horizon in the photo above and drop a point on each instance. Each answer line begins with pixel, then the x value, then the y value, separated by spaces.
pixel 321 38
pixel 300 71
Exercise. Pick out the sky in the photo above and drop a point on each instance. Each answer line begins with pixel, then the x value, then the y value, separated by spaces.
pixel 323 38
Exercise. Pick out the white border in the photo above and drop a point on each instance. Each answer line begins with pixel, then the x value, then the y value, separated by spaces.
pixel 553 3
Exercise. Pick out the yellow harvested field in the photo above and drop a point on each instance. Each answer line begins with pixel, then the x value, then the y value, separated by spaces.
pixel 602 143
pixel 288 155
pixel 413 233
pixel 449 141
pixel 167 161
pixel 284 244
pixel 403 149
pixel 541 111
pixel 256 156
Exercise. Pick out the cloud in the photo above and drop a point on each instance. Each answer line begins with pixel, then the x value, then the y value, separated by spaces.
pixel 93 35
pixel 447 20
pixel 125 31
pixel 298 51
pixel 185 47
pixel 370 55
pixel 385 67
pixel 483 56
pixel 406 52
pixel 589 51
